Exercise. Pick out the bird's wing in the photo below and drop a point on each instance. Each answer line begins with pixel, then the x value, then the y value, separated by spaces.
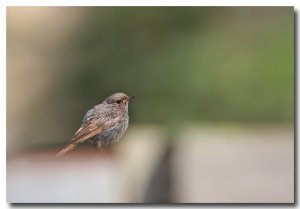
pixel 88 130
pixel 93 113
pixel 88 115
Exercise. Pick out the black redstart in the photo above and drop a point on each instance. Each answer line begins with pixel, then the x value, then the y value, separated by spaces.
pixel 104 124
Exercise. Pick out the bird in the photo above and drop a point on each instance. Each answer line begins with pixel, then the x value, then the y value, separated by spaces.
pixel 102 125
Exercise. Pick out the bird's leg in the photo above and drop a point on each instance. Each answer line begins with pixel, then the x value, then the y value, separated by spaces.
pixel 99 146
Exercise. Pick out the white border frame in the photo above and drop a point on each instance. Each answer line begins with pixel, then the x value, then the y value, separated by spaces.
pixel 4 4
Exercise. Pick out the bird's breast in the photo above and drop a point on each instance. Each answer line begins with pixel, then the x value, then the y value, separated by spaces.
pixel 113 134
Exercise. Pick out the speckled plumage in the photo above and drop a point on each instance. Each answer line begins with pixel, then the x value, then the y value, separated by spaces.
pixel 104 124
pixel 112 134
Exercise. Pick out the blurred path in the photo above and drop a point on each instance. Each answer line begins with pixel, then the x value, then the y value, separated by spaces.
pixel 234 165
pixel 206 165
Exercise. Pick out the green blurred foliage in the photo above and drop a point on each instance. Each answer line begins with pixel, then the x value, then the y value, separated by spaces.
pixel 185 64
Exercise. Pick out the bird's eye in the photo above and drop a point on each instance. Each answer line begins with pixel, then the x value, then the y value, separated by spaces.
pixel 118 101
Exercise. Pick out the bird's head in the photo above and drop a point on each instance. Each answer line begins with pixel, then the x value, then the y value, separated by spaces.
pixel 119 100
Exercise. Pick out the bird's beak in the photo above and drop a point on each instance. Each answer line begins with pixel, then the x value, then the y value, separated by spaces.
pixel 131 97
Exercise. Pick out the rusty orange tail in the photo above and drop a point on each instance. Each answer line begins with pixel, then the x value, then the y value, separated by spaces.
pixel 66 149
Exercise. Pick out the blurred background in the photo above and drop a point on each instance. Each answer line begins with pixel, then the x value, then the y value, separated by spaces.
pixel 213 118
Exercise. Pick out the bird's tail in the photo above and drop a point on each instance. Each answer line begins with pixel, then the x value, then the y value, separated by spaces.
pixel 66 149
